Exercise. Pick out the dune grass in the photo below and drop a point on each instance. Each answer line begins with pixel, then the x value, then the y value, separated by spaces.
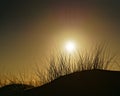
pixel 98 57
pixel 20 79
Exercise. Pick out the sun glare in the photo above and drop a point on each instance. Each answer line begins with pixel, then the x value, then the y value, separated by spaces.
pixel 70 46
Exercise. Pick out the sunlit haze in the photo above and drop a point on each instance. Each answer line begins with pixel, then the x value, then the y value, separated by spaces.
pixel 30 31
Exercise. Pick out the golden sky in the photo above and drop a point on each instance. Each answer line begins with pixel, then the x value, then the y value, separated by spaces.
pixel 31 31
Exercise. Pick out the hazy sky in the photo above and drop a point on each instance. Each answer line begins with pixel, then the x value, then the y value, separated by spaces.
pixel 30 30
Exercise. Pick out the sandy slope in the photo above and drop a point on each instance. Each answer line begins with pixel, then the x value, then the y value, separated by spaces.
pixel 85 83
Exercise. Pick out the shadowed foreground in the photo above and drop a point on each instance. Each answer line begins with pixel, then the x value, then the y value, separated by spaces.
pixel 85 83
pixel 14 89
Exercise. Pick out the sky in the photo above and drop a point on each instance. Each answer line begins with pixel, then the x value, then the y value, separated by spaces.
pixel 30 30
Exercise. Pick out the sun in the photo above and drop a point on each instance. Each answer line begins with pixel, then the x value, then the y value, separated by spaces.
pixel 70 46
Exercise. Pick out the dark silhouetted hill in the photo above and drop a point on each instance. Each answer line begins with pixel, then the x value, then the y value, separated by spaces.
pixel 84 83
pixel 13 89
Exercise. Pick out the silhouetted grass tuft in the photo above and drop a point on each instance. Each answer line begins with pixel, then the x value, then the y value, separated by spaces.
pixel 97 57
